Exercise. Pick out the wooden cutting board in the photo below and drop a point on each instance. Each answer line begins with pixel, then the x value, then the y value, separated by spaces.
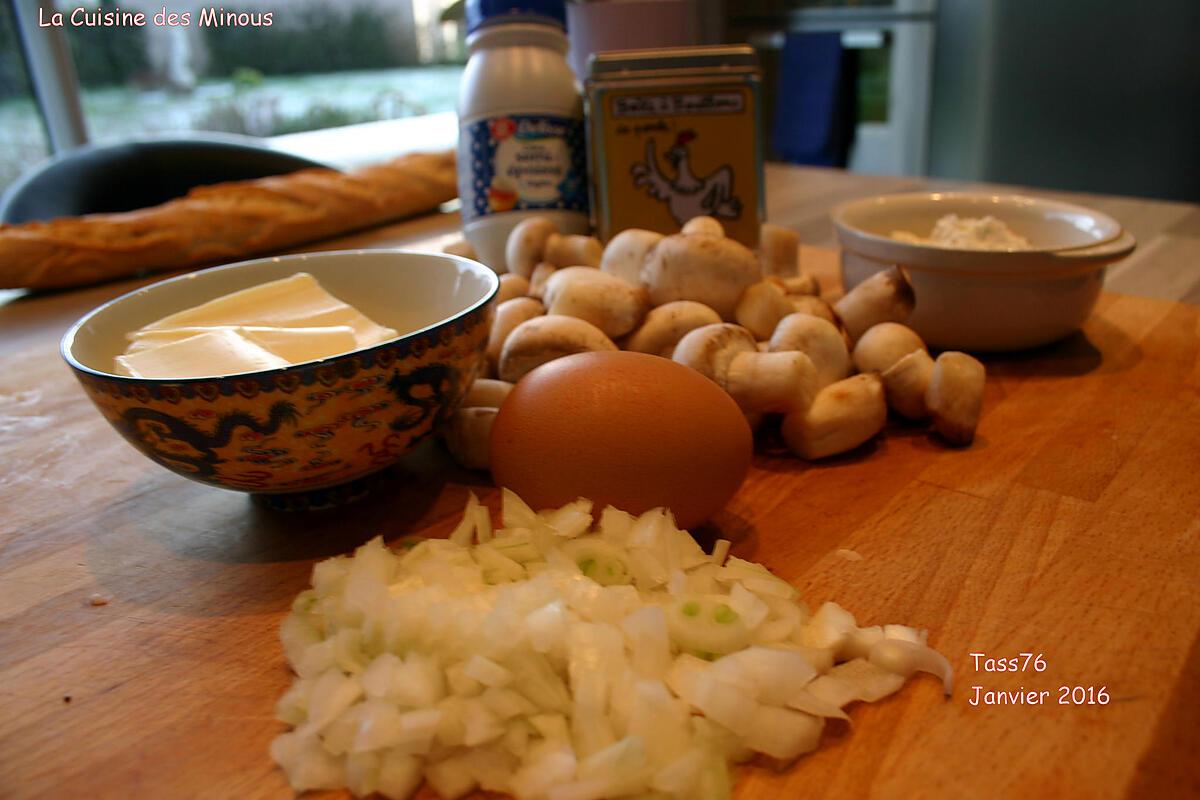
pixel 1069 530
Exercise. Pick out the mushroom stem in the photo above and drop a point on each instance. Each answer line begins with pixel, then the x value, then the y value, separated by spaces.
pixel 779 250
pixel 797 284
pixel 906 382
pixel 468 434
pixel 955 396
pixel 761 307
pixel 842 416
pixel 771 382
pixel 538 279
pixel 883 297
pixel 813 305
pixel 711 349
pixel 536 239
pixel 486 393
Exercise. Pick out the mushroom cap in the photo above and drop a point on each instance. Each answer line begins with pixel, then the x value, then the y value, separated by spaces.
pixel 525 244
pixel 542 339
pixel 666 325
pixel 883 345
pixel 626 252
pixel 604 300
pixel 711 349
pixel 703 226
pixel 512 286
pixel 509 315
pixel 819 339
pixel 710 270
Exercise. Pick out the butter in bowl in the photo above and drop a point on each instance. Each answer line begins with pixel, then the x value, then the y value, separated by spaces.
pixel 276 324
pixel 291 374
pixel 990 272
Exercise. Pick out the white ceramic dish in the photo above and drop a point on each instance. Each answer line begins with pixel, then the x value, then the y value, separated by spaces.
pixel 986 300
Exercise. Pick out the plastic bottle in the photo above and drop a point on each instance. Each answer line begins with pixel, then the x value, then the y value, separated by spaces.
pixel 521 148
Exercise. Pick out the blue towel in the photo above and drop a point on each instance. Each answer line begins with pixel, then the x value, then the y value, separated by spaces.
pixel 814 107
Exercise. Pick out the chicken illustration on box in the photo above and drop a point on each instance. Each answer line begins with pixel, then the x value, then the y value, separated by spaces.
pixel 687 196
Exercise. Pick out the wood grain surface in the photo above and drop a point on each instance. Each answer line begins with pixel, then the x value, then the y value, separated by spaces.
pixel 1069 529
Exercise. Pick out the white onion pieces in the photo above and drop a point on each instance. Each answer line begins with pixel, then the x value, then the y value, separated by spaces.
pixel 552 661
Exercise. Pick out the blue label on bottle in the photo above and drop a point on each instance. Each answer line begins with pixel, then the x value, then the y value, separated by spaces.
pixel 519 162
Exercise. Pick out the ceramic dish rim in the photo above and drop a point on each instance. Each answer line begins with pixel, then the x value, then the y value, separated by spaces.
pixel 838 216
pixel 68 340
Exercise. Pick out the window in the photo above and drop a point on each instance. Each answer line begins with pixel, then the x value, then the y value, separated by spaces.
pixel 260 68
pixel 22 137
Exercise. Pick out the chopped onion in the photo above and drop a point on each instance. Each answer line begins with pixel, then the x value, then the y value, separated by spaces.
pixel 551 659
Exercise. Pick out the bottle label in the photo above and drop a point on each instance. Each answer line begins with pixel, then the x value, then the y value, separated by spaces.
pixel 518 162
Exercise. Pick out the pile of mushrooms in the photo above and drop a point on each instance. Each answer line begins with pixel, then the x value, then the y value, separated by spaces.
pixel 752 323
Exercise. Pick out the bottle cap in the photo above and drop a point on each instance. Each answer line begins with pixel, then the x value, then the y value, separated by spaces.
pixel 481 13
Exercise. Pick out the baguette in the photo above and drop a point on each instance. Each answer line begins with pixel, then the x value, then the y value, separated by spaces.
pixel 222 222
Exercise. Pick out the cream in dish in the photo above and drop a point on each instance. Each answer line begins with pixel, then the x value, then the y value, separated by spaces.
pixel 968 233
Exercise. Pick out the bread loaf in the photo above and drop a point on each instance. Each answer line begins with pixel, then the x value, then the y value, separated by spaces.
pixel 223 222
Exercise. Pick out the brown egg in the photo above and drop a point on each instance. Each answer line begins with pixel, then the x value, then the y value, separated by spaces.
pixel 629 430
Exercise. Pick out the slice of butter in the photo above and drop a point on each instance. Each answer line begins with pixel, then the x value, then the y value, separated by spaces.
pixel 294 302
pixel 294 345
pixel 213 353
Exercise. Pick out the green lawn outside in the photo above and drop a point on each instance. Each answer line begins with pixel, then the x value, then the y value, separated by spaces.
pixel 254 105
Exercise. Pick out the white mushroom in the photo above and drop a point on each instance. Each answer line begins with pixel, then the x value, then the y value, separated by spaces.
pixel 509 315
pixel 461 247
pixel 666 325
pixel 512 285
pixel 486 393
pixel 703 226
pixel 906 382
pixel 758 382
pixel 710 350
pixel 468 434
pixel 771 382
pixel 817 338
pixel 626 252
pixel 797 284
pixel 779 250
pixel 883 345
pixel 883 297
pixel 526 244
pixel 955 396
pixel 606 301
pixel 536 239
pixel 761 307
pixel 702 268
pixel 810 304
pixel 544 339
pixel 843 416
pixel 538 279
pixel 573 250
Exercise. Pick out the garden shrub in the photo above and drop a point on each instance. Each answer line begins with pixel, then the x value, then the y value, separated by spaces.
pixel 315 39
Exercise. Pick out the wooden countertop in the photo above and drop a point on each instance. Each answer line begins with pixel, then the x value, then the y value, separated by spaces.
pixel 1071 529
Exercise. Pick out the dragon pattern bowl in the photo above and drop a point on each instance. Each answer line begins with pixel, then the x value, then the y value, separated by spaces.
pixel 310 427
